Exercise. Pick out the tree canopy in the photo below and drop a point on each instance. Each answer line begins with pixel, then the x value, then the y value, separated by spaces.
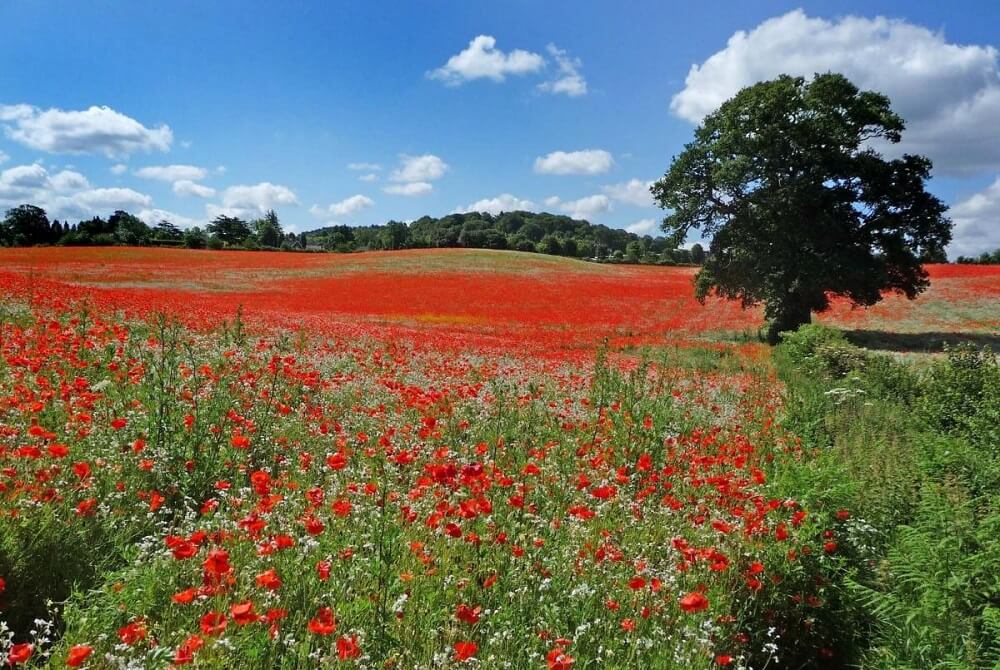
pixel 26 225
pixel 788 181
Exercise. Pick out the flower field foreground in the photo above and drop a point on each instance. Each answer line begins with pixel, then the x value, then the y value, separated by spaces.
pixel 368 491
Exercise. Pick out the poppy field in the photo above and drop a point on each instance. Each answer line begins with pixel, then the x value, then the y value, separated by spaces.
pixel 423 459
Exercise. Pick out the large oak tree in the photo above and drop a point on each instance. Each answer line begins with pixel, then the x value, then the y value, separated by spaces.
pixel 788 181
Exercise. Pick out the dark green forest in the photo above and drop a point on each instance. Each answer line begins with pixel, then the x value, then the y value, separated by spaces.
pixel 28 225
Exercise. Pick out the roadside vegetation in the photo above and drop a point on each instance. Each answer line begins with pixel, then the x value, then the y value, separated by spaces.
pixel 911 449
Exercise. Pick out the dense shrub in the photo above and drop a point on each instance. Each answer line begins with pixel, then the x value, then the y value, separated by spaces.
pixel 821 350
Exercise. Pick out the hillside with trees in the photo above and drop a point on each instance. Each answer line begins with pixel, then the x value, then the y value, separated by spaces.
pixel 519 231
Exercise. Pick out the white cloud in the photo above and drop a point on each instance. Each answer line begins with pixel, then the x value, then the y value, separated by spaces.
pixel 427 167
pixel 66 194
pixel 68 180
pixel 505 202
pixel 96 130
pixel 172 172
pixel 3 158
pixel 977 223
pixel 107 199
pixel 643 227
pixel 25 177
pixel 244 200
pixel 367 167
pixel 583 208
pixel 634 192
pixel 410 189
pixel 186 187
pixel 588 161
pixel 16 112
pixel 481 59
pixel 119 168
pixel 153 216
pixel 568 80
pixel 33 182
pixel 345 207
pixel 369 177
pixel 949 94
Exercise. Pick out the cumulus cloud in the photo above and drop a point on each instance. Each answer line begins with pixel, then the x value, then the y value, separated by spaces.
pixel 414 188
pixel 634 192
pixel 34 182
pixel 172 172
pixel 371 176
pixel 977 223
pixel 505 202
pixel 96 130
pixel 68 180
pixel 108 199
pixel 3 158
pixel 427 167
pixel 643 227
pixel 345 207
pixel 153 216
pixel 588 161
pixel 568 80
pixel 250 200
pixel 66 194
pixel 119 168
pixel 481 59
pixel 583 208
pixel 365 167
pixel 25 177
pixel 186 187
pixel 949 94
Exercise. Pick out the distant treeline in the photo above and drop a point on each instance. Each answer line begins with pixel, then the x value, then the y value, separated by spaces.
pixel 28 225
pixel 520 231
pixel 985 258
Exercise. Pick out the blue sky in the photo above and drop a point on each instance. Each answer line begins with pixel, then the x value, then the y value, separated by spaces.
pixel 570 107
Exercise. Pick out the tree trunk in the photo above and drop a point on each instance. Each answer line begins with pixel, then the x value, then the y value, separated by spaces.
pixel 789 316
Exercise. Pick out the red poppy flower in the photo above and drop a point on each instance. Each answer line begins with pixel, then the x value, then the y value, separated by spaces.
pixel 558 659
pixel 184 597
pixel 468 614
pixel 314 526
pixel 694 602
pixel 323 623
pixel 323 570
pixel 243 613
pixel 213 623
pixel 347 648
pixel 20 653
pixel 269 580
pixel 78 653
pixel 217 562
pixel 132 633
pixel 465 650
pixel 185 652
